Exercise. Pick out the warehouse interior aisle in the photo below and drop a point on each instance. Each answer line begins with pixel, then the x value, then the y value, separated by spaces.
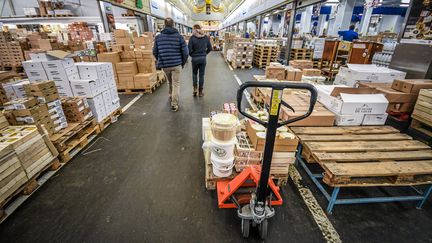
pixel 146 183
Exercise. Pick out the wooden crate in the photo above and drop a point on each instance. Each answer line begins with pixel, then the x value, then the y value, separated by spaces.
pixel 366 156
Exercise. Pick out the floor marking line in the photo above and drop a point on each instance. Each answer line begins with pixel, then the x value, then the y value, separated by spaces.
pixel 247 94
pixel 131 102
pixel 327 229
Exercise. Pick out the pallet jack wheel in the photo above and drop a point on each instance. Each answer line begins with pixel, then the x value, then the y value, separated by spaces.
pixel 263 229
pixel 245 227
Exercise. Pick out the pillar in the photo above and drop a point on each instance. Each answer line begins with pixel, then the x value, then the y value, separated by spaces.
pixel 305 21
pixel 364 24
pixel 343 17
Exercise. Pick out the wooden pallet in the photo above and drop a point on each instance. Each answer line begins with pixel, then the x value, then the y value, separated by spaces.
pixel 110 119
pixel 74 131
pixel 76 139
pixel 366 156
pixel 210 178
pixel 150 90
pixel 25 190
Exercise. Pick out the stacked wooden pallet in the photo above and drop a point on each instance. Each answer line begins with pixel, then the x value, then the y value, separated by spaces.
pixel 264 54
pixel 366 156
pixel 422 114
pixel 243 54
pixel 301 54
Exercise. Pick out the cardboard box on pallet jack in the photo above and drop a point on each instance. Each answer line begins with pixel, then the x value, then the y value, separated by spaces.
pixel 256 208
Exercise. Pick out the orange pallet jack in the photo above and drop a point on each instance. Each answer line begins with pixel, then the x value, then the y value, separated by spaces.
pixel 252 191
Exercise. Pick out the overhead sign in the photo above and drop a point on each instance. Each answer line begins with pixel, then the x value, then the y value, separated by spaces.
pixel 136 5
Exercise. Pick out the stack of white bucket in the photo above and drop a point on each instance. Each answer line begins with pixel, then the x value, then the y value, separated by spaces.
pixel 222 143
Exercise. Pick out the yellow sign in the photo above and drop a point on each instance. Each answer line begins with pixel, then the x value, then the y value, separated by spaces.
pixel 276 100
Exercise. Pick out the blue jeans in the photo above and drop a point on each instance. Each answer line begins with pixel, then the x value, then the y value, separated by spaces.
pixel 198 65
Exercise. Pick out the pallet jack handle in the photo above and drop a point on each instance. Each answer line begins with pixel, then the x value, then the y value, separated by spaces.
pixel 273 122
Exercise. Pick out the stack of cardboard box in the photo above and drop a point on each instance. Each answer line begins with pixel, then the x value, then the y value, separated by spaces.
pixel 11 52
pixel 29 111
pixel 401 93
pixel 355 73
pixel 301 64
pixel 126 72
pixel 80 31
pixel 280 72
pixel 144 42
pixel 98 85
pixel 242 54
pixel 123 42
pixel 354 106
pixel 76 109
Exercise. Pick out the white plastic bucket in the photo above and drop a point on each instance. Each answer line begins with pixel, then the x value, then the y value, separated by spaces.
pixel 222 150
pixel 222 168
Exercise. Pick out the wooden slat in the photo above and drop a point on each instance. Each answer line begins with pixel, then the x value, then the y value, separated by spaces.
pixel 373 156
pixel 363 146
pixel 379 168
pixel 344 130
pixel 355 137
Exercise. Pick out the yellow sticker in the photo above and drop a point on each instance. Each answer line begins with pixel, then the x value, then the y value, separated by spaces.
pixel 276 100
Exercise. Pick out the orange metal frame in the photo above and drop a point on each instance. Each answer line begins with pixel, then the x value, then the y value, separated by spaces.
pixel 249 177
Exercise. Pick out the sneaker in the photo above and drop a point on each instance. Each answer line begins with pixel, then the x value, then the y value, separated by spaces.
pixel 174 108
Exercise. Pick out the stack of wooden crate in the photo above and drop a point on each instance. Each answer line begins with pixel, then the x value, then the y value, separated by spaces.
pixel 243 54
pixel 422 114
pixel 264 54
pixel 301 54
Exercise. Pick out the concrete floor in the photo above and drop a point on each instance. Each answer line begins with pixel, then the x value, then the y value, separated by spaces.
pixel 147 185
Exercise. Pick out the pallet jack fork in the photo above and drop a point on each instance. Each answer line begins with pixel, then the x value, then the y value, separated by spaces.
pixel 254 206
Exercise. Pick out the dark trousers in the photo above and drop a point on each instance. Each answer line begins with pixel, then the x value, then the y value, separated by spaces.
pixel 198 65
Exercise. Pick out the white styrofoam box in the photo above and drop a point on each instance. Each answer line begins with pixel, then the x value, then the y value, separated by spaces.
pixel 97 107
pixel 58 76
pixel 349 120
pixel 18 88
pixel 32 65
pixel 371 73
pixel 348 104
pixel 371 119
pixel 58 64
pixel 115 105
pixel 85 88
pixel 41 57
pixel 64 89
pixel 104 87
pixel 114 94
pixel 110 80
pixel 9 90
pixel 107 100
pixel 36 75
pixel 54 103
pixel 74 76
pixel 90 69
pixel 205 127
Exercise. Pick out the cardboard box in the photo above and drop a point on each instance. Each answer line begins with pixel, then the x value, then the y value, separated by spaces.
pixel 119 33
pixel 123 41
pixel 97 107
pixel 143 40
pixel 113 57
pixel 85 88
pixel 144 80
pixel 126 82
pixel 127 55
pixel 275 72
pixel 126 68
pixel 311 72
pixel 394 96
pixel 348 101
pixel 400 107
pixel 59 64
pixel 281 145
pixel 375 120
pixel 146 66
pixel 412 86
pixel 349 120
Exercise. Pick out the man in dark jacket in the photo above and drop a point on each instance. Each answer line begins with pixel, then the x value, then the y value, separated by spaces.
pixel 199 47
pixel 171 53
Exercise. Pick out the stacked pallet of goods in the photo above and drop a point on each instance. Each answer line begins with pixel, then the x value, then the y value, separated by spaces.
pixel 25 153
pixel 242 55
pixel 301 54
pixel 135 69
pixel 11 52
pixel 295 72
pixel 265 53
